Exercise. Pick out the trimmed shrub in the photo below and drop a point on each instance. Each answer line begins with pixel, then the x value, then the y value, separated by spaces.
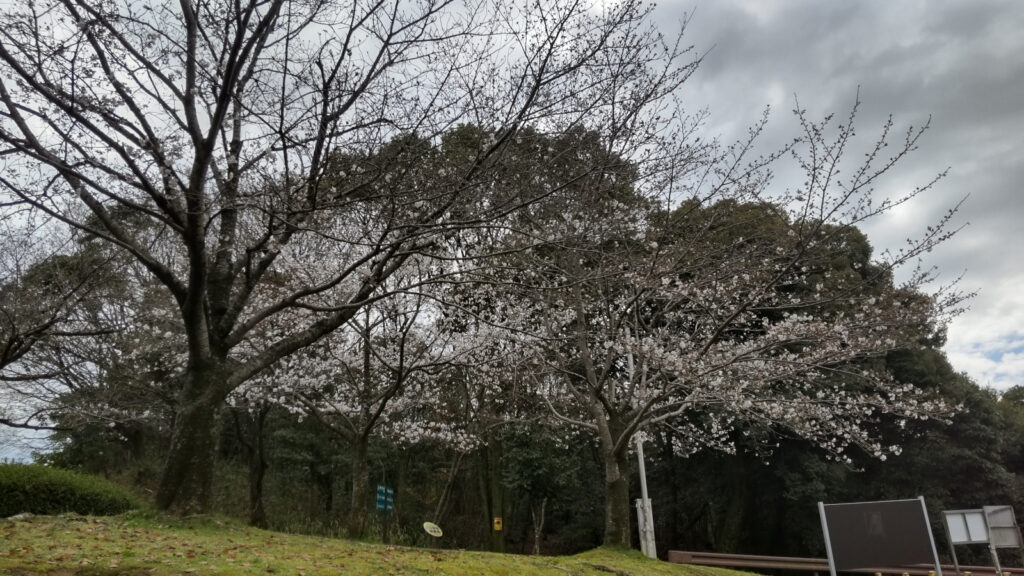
pixel 43 490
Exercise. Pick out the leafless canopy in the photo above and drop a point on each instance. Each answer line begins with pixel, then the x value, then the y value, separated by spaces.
pixel 212 142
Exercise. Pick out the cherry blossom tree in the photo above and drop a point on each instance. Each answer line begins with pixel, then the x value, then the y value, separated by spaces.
pixel 211 143
pixel 490 391
pixel 711 302
pixel 365 380
pixel 411 369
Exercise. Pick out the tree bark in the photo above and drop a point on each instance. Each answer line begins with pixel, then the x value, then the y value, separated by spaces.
pixel 360 489
pixel 187 479
pixel 324 482
pixel 249 430
pixel 257 471
pixel 257 513
pixel 617 510
pixel 444 502
pixel 538 517
pixel 496 493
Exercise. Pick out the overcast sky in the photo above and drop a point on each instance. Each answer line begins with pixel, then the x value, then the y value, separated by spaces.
pixel 959 62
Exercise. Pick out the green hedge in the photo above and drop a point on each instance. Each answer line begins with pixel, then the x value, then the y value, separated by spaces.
pixel 44 490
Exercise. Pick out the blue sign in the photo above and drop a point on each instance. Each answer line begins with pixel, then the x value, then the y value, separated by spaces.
pixel 385 497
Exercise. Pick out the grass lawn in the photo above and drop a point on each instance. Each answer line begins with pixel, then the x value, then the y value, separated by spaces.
pixel 139 544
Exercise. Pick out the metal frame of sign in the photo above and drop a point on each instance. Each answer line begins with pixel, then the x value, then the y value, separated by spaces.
pixel 1003 531
pixel 963 515
pixel 931 537
pixel 1000 518
pixel 828 537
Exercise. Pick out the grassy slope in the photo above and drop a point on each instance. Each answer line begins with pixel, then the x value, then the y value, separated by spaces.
pixel 77 545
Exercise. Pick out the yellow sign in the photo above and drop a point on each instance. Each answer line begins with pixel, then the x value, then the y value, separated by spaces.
pixel 433 529
pixel 497 523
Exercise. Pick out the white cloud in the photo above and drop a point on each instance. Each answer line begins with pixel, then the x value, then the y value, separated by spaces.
pixel 988 342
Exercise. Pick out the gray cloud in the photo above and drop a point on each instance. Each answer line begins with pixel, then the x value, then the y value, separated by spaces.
pixel 960 63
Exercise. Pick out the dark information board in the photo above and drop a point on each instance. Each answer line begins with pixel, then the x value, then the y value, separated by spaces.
pixel 878 534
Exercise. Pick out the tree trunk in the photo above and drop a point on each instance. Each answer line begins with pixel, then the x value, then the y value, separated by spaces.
pixel 733 521
pixel 496 496
pixel 324 483
pixel 617 510
pixel 538 524
pixel 444 502
pixel 257 514
pixel 360 490
pixel 257 471
pixel 187 479
pixel 492 493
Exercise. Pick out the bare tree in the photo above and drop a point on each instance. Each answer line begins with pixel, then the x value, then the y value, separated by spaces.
pixel 208 141
pixel 356 381
pixel 50 294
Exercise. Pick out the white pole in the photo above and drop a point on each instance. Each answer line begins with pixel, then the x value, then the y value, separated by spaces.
pixel 931 538
pixel 647 518
pixel 828 539
pixel 995 556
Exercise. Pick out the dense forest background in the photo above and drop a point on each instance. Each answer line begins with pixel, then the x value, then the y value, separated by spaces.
pixel 286 471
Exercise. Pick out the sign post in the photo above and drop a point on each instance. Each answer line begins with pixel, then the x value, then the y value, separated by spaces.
pixel 433 530
pixel 385 504
pixel 1003 531
pixel 868 535
pixel 965 527
pixel 992 525
pixel 385 498
pixel 644 515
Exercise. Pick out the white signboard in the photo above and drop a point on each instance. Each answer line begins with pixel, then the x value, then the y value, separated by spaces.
pixel 966 526
pixel 1002 527
pixel 992 525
